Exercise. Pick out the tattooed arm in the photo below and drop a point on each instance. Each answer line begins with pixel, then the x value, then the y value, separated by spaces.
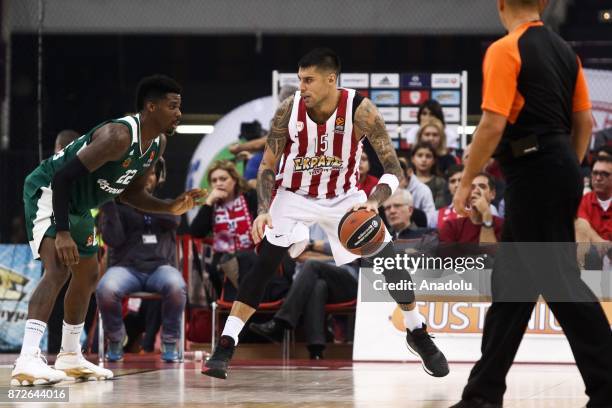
pixel 266 175
pixel 369 122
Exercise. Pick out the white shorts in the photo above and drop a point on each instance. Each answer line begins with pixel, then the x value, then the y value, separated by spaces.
pixel 292 214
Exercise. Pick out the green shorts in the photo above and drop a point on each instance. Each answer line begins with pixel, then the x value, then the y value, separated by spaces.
pixel 40 222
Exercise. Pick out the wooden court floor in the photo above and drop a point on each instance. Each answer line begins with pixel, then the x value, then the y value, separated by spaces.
pixel 146 382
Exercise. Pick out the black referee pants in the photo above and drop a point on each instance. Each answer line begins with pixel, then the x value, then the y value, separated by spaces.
pixel 542 198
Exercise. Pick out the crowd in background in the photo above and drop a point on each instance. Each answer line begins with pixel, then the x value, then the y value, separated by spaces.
pixel 420 209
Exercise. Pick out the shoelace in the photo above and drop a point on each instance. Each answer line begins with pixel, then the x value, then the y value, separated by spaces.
pixel 41 356
pixel 424 340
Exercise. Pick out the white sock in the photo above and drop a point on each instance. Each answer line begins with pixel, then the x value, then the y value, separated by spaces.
pixel 34 330
pixel 413 319
pixel 233 327
pixel 71 337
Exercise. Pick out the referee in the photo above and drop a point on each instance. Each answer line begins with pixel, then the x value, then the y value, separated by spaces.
pixel 537 120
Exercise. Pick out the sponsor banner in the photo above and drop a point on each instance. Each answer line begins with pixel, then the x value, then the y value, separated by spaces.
pixel 364 92
pixel 407 135
pixel 414 97
pixel 446 80
pixel 389 80
pixel 352 80
pixel 288 79
pixel 451 114
pixel 385 97
pixel 392 130
pixel 447 97
pixel 389 114
pixel 415 80
pixel 19 275
pixel 410 114
pixel 458 330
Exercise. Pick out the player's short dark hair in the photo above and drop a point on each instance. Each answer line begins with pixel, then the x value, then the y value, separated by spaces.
pixel 155 88
pixel 490 179
pixel 323 58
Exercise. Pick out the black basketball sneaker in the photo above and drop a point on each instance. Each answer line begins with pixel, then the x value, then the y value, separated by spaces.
pixel 216 365
pixel 420 344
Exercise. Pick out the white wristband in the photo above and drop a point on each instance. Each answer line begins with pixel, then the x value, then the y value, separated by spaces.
pixel 390 180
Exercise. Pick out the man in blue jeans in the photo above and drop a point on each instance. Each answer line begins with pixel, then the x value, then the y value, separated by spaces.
pixel 142 255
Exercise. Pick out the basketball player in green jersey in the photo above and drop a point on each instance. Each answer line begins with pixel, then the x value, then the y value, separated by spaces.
pixel 111 160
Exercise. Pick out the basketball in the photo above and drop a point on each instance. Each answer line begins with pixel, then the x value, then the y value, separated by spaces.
pixel 361 232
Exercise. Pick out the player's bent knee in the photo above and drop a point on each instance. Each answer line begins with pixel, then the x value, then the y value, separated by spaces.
pixel 253 285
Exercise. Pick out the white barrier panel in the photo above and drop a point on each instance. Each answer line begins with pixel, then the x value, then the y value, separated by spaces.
pixel 380 332
pixel 398 96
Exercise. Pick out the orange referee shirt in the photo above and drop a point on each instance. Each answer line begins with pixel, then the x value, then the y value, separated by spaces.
pixel 534 79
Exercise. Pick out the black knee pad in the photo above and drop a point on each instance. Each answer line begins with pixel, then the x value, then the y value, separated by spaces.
pixel 253 285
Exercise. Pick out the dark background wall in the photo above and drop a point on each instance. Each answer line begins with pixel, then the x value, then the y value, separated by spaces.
pixel 91 69
pixel 91 78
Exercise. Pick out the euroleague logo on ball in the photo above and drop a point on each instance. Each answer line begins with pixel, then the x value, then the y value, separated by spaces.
pixel 361 232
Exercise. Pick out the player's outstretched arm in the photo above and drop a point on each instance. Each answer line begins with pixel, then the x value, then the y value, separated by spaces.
pixel 266 175
pixel 369 122
pixel 137 195
pixel 109 143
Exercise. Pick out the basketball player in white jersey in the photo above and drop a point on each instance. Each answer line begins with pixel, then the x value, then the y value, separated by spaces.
pixel 311 157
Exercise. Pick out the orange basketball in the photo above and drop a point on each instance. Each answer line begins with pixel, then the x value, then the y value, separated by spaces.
pixel 361 232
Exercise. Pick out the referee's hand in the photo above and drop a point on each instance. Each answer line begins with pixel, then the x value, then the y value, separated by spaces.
pixel 462 195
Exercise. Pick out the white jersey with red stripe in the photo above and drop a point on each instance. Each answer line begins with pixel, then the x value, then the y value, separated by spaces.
pixel 321 160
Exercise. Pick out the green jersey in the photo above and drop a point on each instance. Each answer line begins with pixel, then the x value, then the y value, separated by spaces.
pixel 110 179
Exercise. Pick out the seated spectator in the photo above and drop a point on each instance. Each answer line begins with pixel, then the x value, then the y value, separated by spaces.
pixel 228 213
pixel 594 222
pixel 602 138
pixel 432 132
pixel 142 255
pixel 424 161
pixel 448 212
pixel 421 195
pixel 250 149
pixel 318 281
pixel 398 212
pixel 494 169
pixel 605 150
pixel 432 109
pixel 366 181
pixel 454 175
pixel 481 226
pixel 491 167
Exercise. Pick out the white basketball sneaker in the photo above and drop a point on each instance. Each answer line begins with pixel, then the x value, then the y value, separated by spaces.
pixel 32 369
pixel 77 367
